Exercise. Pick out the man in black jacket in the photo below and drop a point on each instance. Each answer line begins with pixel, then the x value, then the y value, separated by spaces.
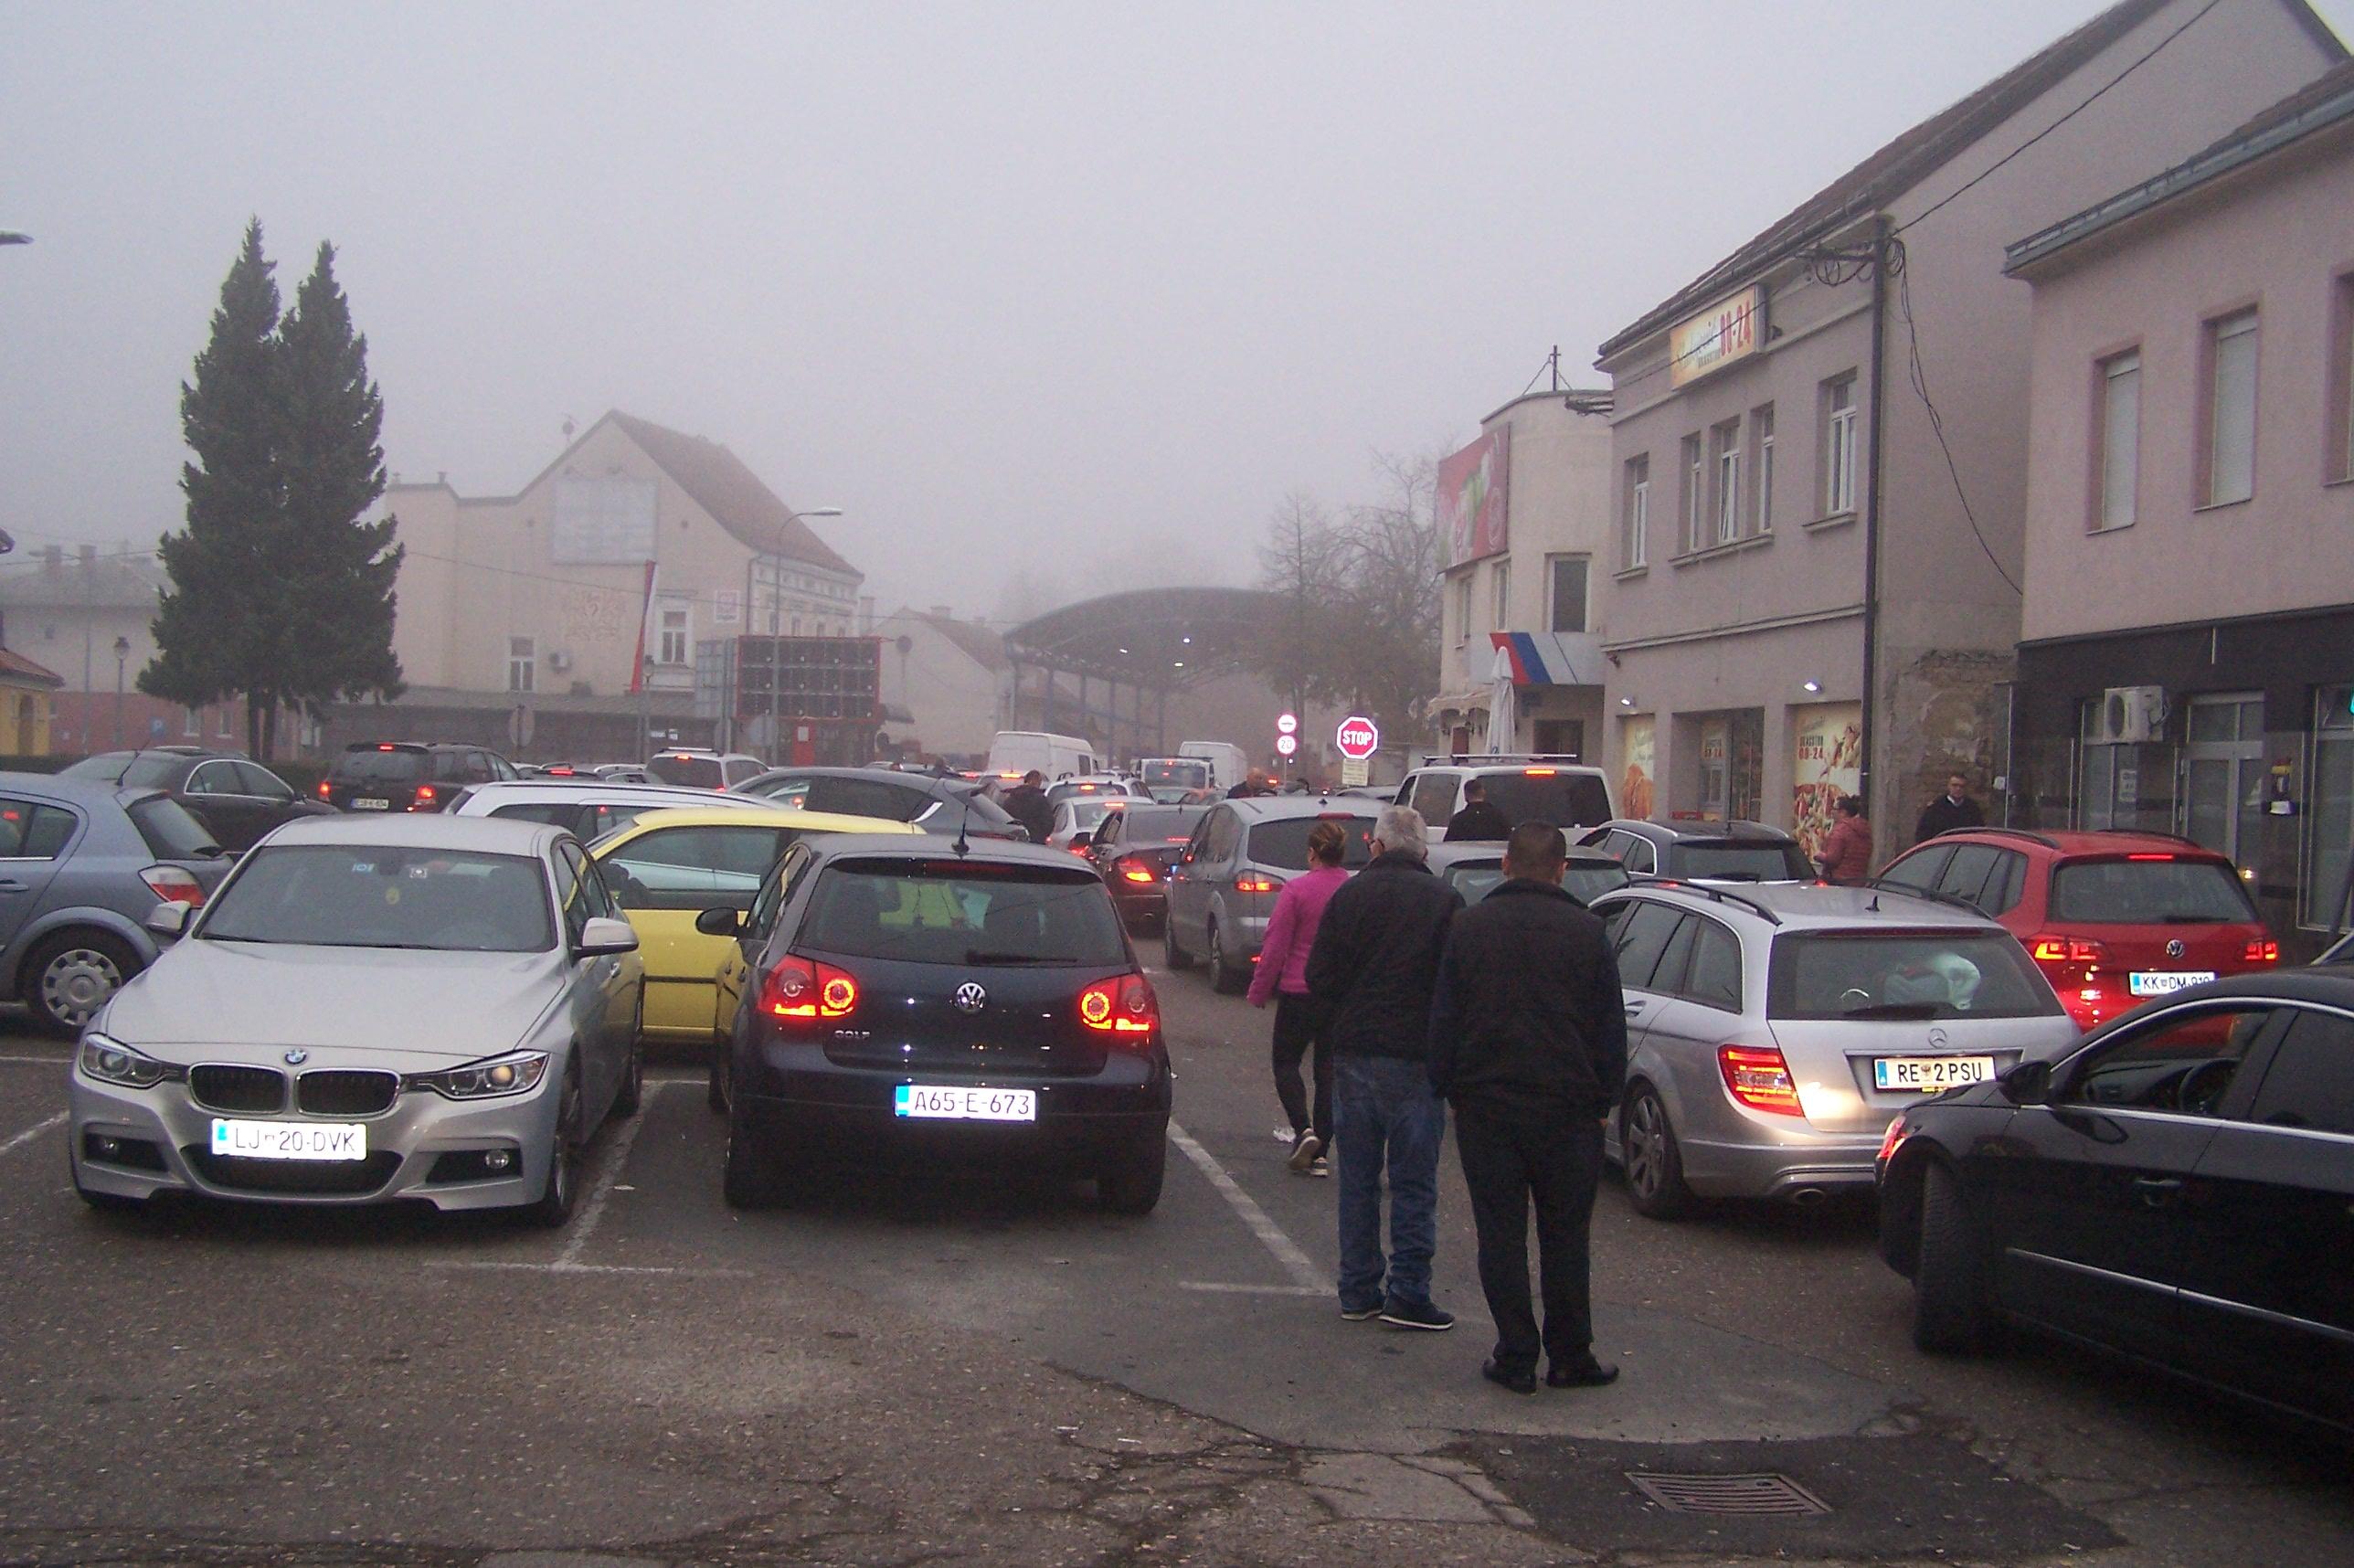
pixel 1026 804
pixel 1478 819
pixel 1375 959
pixel 1528 1042
pixel 1952 810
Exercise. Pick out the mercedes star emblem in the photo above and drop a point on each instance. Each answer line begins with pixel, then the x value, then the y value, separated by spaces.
pixel 2174 948
pixel 296 1058
pixel 971 997
pixel 1937 1038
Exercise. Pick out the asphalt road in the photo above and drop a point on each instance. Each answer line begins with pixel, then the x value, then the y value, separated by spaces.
pixel 921 1370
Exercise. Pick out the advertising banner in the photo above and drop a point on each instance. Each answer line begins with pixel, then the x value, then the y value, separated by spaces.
pixel 1637 795
pixel 1729 330
pixel 1473 486
pixel 1827 762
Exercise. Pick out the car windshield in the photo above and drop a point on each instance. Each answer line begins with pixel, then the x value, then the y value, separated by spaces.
pixel 2157 892
pixel 695 772
pixel 1282 844
pixel 378 765
pixel 1173 774
pixel 1731 862
pixel 382 895
pixel 962 912
pixel 1565 800
pixel 170 833
pixel 1905 975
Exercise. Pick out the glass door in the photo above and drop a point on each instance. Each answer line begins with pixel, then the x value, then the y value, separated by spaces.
pixel 2331 810
pixel 2224 777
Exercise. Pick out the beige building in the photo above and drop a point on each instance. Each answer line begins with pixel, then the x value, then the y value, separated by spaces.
pixel 947 684
pixel 1519 667
pixel 1820 444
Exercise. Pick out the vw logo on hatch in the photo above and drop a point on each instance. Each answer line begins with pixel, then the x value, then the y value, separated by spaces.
pixel 2174 948
pixel 296 1058
pixel 971 997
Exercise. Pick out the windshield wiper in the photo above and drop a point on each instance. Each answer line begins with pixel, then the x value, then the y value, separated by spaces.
pixel 1895 1010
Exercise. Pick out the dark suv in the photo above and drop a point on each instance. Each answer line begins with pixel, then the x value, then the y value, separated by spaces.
pixel 407 774
pixel 912 1004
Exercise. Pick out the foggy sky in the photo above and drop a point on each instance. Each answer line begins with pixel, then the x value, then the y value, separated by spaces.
pixel 1077 291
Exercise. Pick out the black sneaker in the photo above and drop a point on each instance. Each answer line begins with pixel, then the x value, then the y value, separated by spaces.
pixel 1417 1315
pixel 1592 1374
pixel 1521 1381
pixel 1361 1314
pixel 1304 1152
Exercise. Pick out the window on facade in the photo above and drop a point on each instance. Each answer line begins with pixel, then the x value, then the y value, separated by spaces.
pixel 1500 587
pixel 1638 511
pixel 2119 439
pixel 194 725
pixel 523 665
pixel 672 649
pixel 1695 492
pixel 1761 431
pixel 1725 439
pixel 1567 611
pixel 2230 409
pixel 1460 591
pixel 1839 445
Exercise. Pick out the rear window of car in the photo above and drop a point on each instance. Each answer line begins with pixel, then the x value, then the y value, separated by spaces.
pixel 1282 844
pixel 1147 824
pixel 1589 880
pixel 1176 775
pixel 696 772
pixel 106 765
pixel 960 913
pixel 2128 892
pixel 1475 881
pixel 374 766
pixel 170 831
pixel 1565 800
pixel 1905 975
pixel 1739 861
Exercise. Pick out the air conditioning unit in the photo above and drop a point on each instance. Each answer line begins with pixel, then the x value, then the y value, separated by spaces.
pixel 559 661
pixel 2131 714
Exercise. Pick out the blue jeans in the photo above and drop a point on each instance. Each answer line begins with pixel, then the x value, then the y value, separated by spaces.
pixel 1384 1113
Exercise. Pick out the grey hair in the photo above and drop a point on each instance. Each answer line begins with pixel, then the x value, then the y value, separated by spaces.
pixel 1400 832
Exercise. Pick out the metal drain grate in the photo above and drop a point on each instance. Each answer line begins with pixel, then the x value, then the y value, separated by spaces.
pixel 1751 1497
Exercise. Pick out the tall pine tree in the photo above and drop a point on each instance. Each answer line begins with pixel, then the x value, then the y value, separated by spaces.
pixel 210 624
pixel 280 591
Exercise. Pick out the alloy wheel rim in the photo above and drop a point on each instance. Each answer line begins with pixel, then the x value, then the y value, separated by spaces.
pixel 78 982
pixel 1645 1146
pixel 1217 950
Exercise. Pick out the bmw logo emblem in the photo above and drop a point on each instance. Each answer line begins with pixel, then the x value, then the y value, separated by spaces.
pixel 296 1058
pixel 971 997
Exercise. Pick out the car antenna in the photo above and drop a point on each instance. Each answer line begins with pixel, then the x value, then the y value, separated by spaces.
pixel 962 847
pixel 1875 904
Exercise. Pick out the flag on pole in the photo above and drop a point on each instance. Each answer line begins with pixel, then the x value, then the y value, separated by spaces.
pixel 645 619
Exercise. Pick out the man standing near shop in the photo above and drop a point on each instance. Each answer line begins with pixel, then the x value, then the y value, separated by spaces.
pixel 1375 962
pixel 1528 1043
pixel 1952 810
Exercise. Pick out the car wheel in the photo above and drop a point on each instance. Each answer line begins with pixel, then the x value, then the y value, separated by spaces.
pixel 1223 978
pixel 1655 1167
pixel 1130 1183
pixel 70 977
pixel 715 1085
pixel 633 1092
pixel 554 1207
pixel 751 1177
pixel 1179 959
pixel 1950 1315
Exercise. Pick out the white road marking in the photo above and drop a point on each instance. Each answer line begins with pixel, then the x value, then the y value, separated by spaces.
pixel 1287 1251
pixel 585 1225
pixel 591 1269
pixel 1251 1289
pixel 31 1133
pixel 41 1061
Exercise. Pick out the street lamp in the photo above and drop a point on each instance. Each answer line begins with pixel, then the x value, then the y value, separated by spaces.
pixel 776 611
pixel 121 661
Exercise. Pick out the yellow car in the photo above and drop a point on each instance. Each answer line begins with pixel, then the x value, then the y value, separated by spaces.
pixel 669 866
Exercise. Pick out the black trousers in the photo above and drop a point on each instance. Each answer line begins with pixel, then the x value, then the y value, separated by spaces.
pixel 1509 1159
pixel 1298 1023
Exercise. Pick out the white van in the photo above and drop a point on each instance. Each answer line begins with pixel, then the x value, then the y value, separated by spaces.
pixel 1014 752
pixel 1229 765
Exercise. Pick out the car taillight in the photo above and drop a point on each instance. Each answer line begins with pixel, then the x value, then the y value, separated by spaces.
pixel 426 796
pixel 799 988
pixel 2263 952
pixel 173 884
pixel 1759 1079
pixel 323 788
pixel 1134 870
pixel 2065 950
pixel 1247 883
pixel 1124 1005
pixel 1079 846
pixel 1895 1135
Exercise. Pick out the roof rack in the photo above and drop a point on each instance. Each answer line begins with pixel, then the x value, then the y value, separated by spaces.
pixel 1457 758
pixel 2034 838
pixel 1710 890
pixel 1882 885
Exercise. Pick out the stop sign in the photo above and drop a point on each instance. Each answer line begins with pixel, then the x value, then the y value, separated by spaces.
pixel 1358 738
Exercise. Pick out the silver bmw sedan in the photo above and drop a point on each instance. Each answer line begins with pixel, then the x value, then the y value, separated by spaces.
pixel 417 1007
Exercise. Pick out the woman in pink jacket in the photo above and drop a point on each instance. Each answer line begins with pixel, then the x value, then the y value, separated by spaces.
pixel 1282 975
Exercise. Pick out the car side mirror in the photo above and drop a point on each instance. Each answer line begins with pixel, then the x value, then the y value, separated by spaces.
pixel 720 922
pixel 168 919
pixel 2026 1083
pixel 603 934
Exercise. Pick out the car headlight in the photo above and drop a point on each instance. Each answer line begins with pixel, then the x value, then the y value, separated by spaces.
pixel 109 1061
pixel 516 1073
